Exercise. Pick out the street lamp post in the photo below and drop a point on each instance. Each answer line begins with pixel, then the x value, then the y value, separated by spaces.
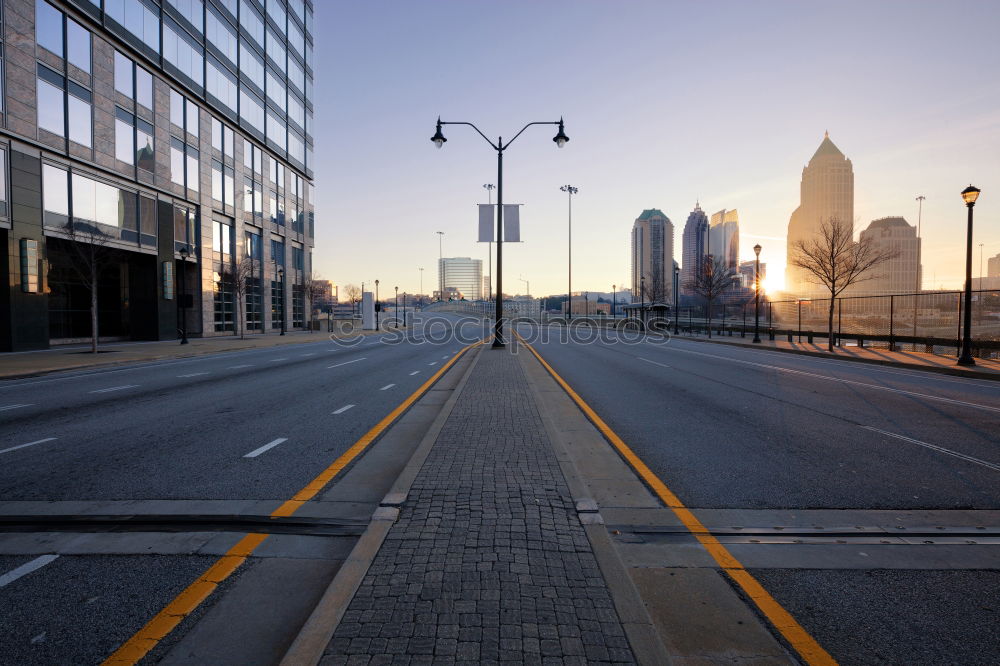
pixel 281 281
pixel 642 298
pixel 756 294
pixel 184 295
pixel 570 191
pixel 489 245
pixel 969 194
pixel 396 313
pixel 376 305
pixel 560 140
pixel 421 282
pixel 677 301
pixel 614 300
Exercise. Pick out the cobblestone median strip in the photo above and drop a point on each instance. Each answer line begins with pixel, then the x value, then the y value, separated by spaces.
pixel 488 560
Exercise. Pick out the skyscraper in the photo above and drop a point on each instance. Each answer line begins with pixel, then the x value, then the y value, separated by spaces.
pixel 462 274
pixel 176 136
pixel 694 246
pixel 898 275
pixel 653 257
pixel 826 193
pixel 724 238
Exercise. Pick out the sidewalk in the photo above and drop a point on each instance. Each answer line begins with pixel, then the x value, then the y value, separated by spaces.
pixel 488 560
pixel 79 357
pixel 984 368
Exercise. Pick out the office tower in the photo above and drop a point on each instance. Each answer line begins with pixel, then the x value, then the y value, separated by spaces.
pixel 461 275
pixel 155 130
pixel 993 267
pixel 826 193
pixel 746 273
pixel 653 257
pixel 694 246
pixel 724 238
pixel 901 274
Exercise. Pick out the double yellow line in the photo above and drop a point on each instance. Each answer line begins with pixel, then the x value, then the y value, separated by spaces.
pixel 144 640
pixel 807 647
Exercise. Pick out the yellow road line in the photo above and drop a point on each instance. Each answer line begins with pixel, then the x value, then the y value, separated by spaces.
pixel 807 647
pixel 144 640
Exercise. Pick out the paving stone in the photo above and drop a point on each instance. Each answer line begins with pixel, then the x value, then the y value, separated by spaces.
pixel 487 561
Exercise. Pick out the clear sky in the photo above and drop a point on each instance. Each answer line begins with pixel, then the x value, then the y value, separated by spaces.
pixel 665 103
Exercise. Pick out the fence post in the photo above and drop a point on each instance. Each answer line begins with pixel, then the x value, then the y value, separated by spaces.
pixel 892 330
pixel 770 319
pixel 800 321
pixel 958 336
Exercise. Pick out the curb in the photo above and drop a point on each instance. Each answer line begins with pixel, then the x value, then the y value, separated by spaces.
pixel 312 640
pixel 971 374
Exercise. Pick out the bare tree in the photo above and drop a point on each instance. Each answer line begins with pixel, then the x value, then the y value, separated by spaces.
pixel 353 292
pixel 239 274
pixel 714 279
pixel 91 248
pixel 656 289
pixel 833 260
pixel 315 288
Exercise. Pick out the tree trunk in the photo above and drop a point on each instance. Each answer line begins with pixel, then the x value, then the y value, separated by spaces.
pixel 93 307
pixel 829 325
pixel 708 315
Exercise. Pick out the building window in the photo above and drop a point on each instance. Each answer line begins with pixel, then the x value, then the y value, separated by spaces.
pixel 182 52
pixel 138 17
pixel 277 252
pixel 185 231
pixel 252 158
pixel 50 27
pixel 222 138
pixel 276 89
pixel 223 184
pixel 219 33
pixel 55 196
pixel 124 136
pixel 78 45
pixel 184 164
pixel 183 113
pixel 3 184
pixel 277 304
pixel 252 22
pixel 222 239
pixel 251 66
pixel 224 319
pixel 276 130
pixel 276 12
pixel 298 306
pixel 192 10
pixel 252 197
pixel 221 84
pixel 298 259
pixel 56 98
pixel 133 81
pixel 251 110
pixel 278 174
pixel 276 51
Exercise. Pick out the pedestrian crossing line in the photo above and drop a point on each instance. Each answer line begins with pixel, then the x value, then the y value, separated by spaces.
pixel 164 622
pixel 807 647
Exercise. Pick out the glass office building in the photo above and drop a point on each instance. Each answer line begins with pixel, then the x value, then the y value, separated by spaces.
pixel 164 147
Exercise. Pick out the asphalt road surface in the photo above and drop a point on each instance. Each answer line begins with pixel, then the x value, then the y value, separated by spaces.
pixel 767 438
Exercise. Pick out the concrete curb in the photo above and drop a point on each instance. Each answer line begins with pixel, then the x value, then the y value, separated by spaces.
pixel 956 372
pixel 308 647
pixel 638 625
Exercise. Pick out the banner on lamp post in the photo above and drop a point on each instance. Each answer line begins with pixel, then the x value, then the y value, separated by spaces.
pixel 511 223
pixel 486 231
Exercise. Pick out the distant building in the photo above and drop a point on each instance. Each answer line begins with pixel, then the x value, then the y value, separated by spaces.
pixel 900 275
pixel 724 238
pixel 582 306
pixel 487 288
pixel 327 298
pixel 653 256
pixel 694 246
pixel 461 274
pixel 826 192
pixel 746 273
pixel 449 294
pixel 993 267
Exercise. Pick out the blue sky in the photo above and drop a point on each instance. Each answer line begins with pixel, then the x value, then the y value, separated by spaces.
pixel 665 103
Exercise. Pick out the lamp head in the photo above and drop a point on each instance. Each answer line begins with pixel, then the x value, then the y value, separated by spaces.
pixel 970 194
pixel 185 253
pixel 756 249
pixel 438 138
pixel 560 138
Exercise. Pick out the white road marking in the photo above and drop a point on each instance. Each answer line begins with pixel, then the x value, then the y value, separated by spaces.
pixel 939 449
pixel 237 367
pixel 266 447
pixel 414 372
pixel 25 569
pixel 433 363
pixel 346 362
pixel 662 365
pixel 193 374
pixel 21 446
pixel 275 360
pixel 444 357
pixel 343 409
pixel 309 354
pixel 115 388
pixel 7 407
pixel 387 386
pixel 845 381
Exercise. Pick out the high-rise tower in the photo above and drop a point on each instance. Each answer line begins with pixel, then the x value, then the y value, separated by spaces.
pixel 827 192
pixel 724 238
pixel 694 246
pixel 653 257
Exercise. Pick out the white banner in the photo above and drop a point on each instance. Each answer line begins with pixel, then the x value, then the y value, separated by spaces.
pixel 486 232
pixel 511 223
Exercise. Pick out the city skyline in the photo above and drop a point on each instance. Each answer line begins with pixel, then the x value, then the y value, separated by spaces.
pixel 922 130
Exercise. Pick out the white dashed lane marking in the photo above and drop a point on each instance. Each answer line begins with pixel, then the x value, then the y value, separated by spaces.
pixel 25 569
pixel 266 447
pixel 21 446
pixel 115 388
pixel 343 409
pixel 387 386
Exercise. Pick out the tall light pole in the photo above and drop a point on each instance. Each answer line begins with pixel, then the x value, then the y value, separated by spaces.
pixel 642 298
pixel 756 294
pixel 570 191
pixel 281 281
pixel 396 313
pixel 560 140
pixel 916 278
pixel 440 265
pixel 489 254
pixel 421 282
pixel 677 302
pixel 969 195
pixel 376 305
pixel 614 301
pixel 185 252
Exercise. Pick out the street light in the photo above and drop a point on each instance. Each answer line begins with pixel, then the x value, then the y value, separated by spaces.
pixel 969 195
pixel 642 298
pixel 756 294
pixel 677 307
pixel 376 305
pixel 570 191
pixel 396 313
pixel 421 282
pixel 184 295
pixel 614 301
pixel 281 281
pixel 560 140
